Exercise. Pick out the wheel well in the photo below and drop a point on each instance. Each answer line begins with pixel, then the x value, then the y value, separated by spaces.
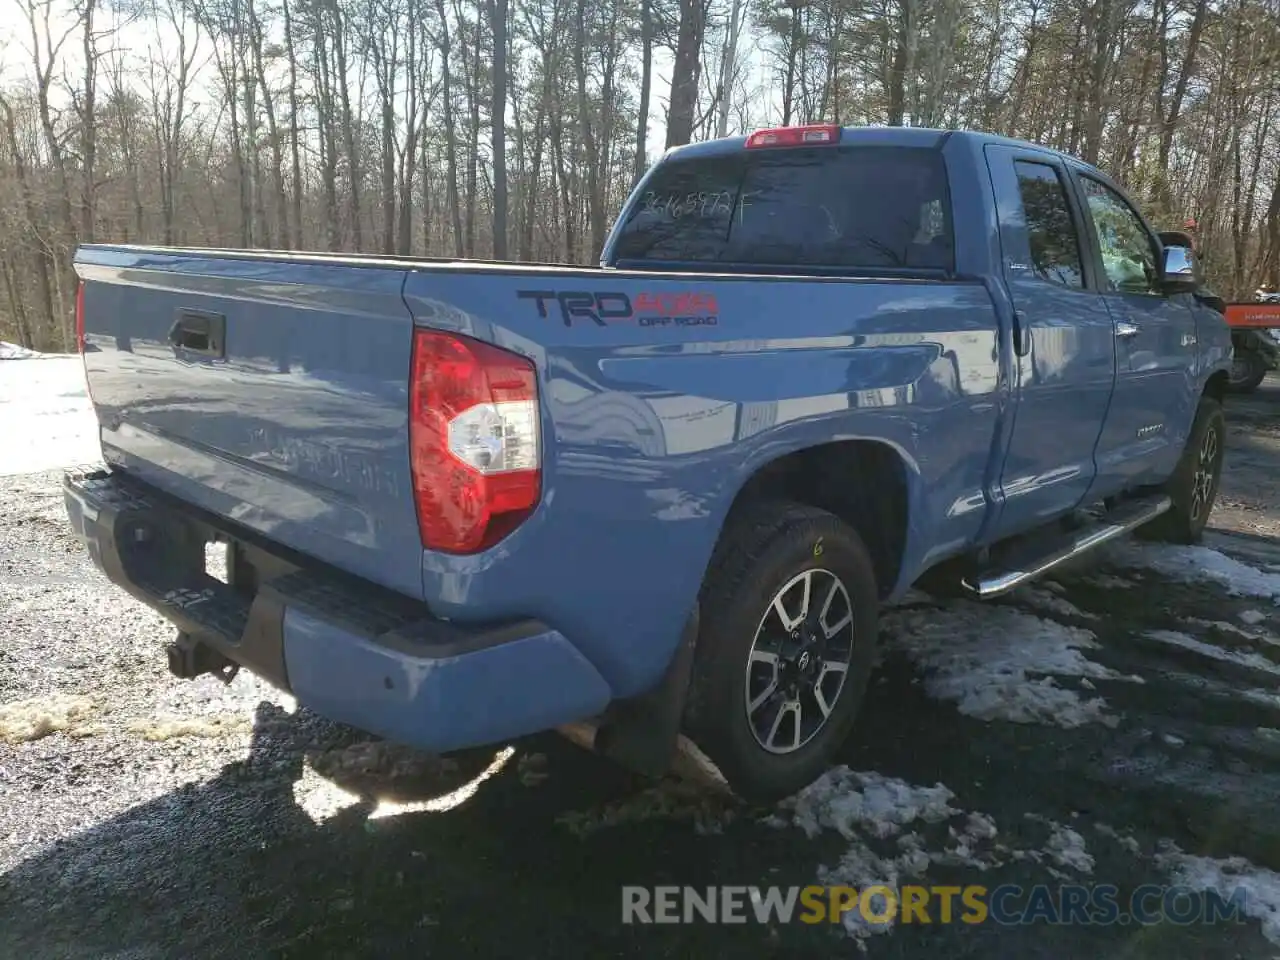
pixel 1216 387
pixel 860 481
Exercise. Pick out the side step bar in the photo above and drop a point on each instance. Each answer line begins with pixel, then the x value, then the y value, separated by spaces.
pixel 1118 521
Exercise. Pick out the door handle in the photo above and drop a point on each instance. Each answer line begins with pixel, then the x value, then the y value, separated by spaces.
pixel 195 331
pixel 1021 334
pixel 1126 329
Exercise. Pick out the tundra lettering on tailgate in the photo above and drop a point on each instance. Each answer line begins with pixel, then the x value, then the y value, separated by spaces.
pixel 612 306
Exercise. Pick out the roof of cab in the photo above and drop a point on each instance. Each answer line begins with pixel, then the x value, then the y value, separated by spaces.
pixel 870 136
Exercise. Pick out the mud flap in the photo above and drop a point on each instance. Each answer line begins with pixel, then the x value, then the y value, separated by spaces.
pixel 641 733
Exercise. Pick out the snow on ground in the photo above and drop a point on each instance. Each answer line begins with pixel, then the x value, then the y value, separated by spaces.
pixel 1198 564
pixel 1065 846
pixel 46 419
pixel 1046 601
pixel 864 807
pixel 1263 698
pixel 11 351
pixel 1261 887
pixel 1233 630
pixel 998 663
pixel 845 800
pixel 1125 840
pixel 1254 661
pixel 895 834
pixel 1108 581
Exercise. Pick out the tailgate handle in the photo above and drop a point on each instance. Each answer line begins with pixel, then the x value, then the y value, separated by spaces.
pixel 196 331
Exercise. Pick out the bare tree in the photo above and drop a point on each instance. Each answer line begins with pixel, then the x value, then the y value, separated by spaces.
pixel 685 72
pixel 498 118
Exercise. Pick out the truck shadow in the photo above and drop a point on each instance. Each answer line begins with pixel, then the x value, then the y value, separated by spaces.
pixel 234 866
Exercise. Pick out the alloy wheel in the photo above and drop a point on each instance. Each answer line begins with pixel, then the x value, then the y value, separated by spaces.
pixel 799 660
pixel 1205 476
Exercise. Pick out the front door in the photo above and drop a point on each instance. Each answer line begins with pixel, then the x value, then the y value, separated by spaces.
pixel 1065 351
pixel 1155 398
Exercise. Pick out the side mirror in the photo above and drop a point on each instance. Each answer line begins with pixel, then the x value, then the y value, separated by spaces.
pixel 1178 273
pixel 1176 238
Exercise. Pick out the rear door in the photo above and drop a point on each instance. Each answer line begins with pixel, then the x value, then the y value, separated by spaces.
pixel 1065 344
pixel 1155 397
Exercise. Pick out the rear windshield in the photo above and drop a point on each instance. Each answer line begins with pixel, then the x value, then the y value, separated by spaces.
pixel 873 208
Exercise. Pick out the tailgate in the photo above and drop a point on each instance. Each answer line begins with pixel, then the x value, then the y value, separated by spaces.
pixel 269 391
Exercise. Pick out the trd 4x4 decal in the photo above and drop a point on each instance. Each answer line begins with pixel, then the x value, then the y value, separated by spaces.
pixel 613 306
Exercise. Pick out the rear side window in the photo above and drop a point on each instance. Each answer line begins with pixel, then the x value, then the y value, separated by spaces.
pixel 1055 244
pixel 855 207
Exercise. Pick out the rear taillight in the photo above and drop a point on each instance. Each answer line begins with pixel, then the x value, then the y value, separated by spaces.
pixel 473 441
pixel 813 135
pixel 80 317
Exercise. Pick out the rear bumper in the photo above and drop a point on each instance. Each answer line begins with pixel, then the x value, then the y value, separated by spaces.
pixel 349 651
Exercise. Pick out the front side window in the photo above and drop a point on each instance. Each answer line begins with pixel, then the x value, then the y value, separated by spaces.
pixel 1128 253
pixel 852 207
pixel 1051 233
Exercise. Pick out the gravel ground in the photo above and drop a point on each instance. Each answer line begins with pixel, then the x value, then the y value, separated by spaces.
pixel 1112 725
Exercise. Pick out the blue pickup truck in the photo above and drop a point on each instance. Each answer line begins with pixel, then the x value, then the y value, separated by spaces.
pixel 467 501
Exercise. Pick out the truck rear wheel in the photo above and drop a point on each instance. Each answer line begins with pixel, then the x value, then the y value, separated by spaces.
pixel 788 631
pixel 1248 369
pixel 1194 484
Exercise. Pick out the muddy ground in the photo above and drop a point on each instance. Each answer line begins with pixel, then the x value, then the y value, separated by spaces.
pixel 144 817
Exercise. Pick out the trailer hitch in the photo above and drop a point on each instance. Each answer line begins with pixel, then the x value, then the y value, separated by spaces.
pixel 190 658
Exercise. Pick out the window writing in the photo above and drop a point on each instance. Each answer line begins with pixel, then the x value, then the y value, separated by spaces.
pixel 856 207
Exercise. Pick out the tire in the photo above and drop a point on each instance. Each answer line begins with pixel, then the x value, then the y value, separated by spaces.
pixel 1194 484
pixel 1248 370
pixel 746 650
